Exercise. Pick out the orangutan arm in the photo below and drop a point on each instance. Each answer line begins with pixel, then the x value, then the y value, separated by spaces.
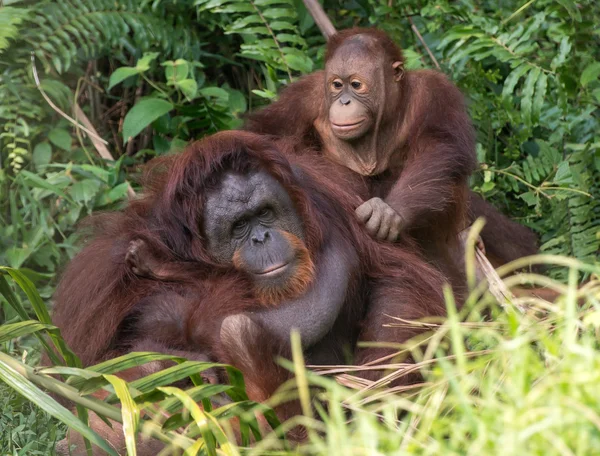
pixel 431 183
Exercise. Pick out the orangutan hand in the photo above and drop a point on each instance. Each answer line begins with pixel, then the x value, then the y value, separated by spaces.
pixel 381 221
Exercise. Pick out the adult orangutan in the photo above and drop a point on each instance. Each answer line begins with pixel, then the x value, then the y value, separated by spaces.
pixel 407 132
pixel 247 241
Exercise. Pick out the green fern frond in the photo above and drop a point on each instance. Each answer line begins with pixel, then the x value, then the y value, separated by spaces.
pixel 269 30
pixel 576 221
pixel 540 168
pixel 10 19
pixel 70 31
pixel 19 116
pixel 516 48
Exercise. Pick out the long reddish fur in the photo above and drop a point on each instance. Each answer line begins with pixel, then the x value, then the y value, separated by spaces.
pixel 439 148
pixel 97 291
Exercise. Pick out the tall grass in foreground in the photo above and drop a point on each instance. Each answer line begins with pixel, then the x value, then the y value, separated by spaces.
pixel 511 383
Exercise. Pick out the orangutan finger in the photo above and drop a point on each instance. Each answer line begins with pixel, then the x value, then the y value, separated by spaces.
pixel 364 211
pixel 374 223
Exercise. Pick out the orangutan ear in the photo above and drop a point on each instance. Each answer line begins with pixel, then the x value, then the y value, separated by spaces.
pixel 398 70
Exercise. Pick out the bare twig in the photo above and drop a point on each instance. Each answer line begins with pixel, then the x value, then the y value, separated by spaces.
pixel 416 30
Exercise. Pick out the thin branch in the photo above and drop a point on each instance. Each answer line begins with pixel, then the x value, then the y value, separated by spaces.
pixel 320 17
pixel 416 30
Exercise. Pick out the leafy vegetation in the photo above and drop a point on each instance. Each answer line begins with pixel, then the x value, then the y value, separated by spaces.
pixel 143 78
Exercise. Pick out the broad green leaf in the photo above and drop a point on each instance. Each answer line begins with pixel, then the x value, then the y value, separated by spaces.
pixel 113 195
pixel 412 59
pixel 60 138
pixel 188 87
pixel 216 92
pixel 143 114
pixel 14 301
pixel 74 373
pixel 590 73
pixel 237 102
pixel 42 155
pixel 278 13
pixel 488 186
pixel 85 190
pixel 244 22
pixel 120 74
pixel 41 311
pixel 302 64
pixel 177 145
pixel 290 38
pixel 176 71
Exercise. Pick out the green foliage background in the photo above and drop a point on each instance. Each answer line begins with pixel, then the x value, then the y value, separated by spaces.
pixel 166 72
pixel 153 75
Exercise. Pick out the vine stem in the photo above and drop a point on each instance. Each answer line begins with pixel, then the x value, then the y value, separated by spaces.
pixel 519 11
pixel 539 189
pixel 262 18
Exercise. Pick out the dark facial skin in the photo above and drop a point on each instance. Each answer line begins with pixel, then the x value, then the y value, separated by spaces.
pixel 247 222
pixel 356 87
pixel 314 309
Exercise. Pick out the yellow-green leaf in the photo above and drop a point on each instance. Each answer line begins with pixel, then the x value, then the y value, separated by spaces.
pixel 129 411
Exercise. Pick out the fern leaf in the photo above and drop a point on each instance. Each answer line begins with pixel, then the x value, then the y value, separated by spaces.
pixel 10 19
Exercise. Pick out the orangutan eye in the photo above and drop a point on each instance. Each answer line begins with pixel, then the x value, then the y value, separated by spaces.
pixel 337 84
pixel 356 85
pixel 239 228
pixel 266 214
